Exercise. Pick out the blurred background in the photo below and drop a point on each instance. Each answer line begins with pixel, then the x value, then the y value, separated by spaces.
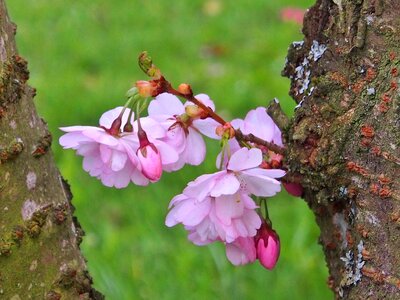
pixel 82 57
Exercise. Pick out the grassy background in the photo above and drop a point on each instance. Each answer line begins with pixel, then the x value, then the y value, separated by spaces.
pixel 82 58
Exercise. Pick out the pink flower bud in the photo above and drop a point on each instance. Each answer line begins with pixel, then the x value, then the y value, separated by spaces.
pixel 268 246
pixel 150 161
pixel 294 189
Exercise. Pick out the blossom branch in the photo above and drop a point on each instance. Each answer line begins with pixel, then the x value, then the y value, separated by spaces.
pixel 253 139
pixel 161 85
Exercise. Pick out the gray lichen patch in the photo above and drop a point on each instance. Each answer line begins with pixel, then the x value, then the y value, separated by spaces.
pixel 28 209
pixel 31 180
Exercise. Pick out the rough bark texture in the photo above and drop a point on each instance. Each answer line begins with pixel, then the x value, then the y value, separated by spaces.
pixel 343 142
pixel 39 237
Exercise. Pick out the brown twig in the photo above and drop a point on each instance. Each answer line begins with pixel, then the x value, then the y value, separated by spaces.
pixel 253 139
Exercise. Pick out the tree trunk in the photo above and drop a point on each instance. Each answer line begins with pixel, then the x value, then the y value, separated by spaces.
pixel 39 237
pixel 343 142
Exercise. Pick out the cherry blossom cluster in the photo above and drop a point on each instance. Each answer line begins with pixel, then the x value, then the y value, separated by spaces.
pixel 228 206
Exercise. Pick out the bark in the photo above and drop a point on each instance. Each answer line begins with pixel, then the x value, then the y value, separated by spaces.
pixel 39 237
pixel 343 141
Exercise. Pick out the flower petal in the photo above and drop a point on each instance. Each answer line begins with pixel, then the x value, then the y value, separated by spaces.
pixel 260 186
pixel 228 207
pixel 118 161
pixel 200 187
pixel 166 104
pixel 245 159
pixel 195 150
pixel 225 185
pixel 207 127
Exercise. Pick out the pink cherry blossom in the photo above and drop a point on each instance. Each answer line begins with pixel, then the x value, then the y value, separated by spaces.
pixel 241 251
pixel 268 246
pixel 242 173
pixel 260 124
pixel 113 158
pixel 223 218
pixel 184 135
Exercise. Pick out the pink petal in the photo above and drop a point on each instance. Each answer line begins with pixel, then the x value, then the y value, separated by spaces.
pixel 245 159
pixel 108 117
pixel 188 212
pixel 237 123
pixel 79 128
pixel 176 165
pixel 87 149
pixel 118 161
pixel 200 187
pixel 176 137
pixel 101 137
pixel 205 99
pixel 259 123
pixel 152 127
pixel 260 186
pixel 225 185
pixel 168 153
pixel 92 164
pixel 252 221
pixel 207 127
pixel 105 153
pixel 232 147
pixel 195 150
pixel 73 139
pixel 241 251
pixel 177 199
pixel 228 208
pixel 138 178
pixel 166 104
pixel 248 201
pixel 123 177
pixel 272 173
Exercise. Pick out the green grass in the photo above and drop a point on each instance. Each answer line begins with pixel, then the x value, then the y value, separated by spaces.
pixel 82 58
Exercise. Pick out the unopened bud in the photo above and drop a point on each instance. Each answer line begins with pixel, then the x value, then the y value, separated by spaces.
pixel 128 127
pixel 145 88
pixel 268 246
pixel 193 111
pixel 225 131
pixel 145 61
pixel 115 126
pixel 150 161
pixel 185 89
pixel 146 64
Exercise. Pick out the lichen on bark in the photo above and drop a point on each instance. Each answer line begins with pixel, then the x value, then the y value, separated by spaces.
pixel 343 141
pixel 39 237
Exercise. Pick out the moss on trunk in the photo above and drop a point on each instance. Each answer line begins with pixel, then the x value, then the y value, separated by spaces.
pixel 344 140
pixel 39 237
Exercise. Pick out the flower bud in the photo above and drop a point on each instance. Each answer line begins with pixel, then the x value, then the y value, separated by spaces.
pixel 185 89
pixel 268 246
pixel 146 64
pixel 150 160
pixel 193 111
pixel 292 188
pixel 225 131
pixel 145 88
